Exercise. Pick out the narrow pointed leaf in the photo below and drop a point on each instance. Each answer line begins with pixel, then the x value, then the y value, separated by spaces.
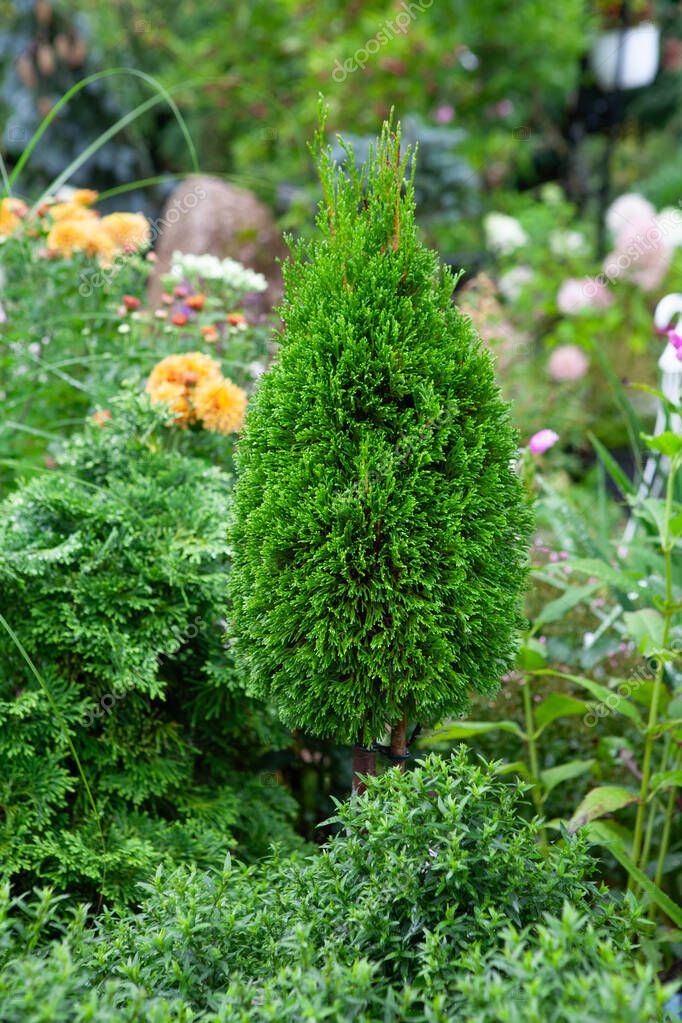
pixel 599 802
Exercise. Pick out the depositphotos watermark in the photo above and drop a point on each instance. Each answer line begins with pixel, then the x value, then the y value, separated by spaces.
pixel 397 26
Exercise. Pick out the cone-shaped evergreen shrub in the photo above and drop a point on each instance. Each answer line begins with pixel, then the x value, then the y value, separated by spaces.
pixel 380 530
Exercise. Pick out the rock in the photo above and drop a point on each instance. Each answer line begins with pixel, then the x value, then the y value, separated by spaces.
pixel 206 214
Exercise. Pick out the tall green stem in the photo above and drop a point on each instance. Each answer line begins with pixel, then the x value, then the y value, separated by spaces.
pixel 532 747
pixel 653 804
pixel 658 680
pixel 667 826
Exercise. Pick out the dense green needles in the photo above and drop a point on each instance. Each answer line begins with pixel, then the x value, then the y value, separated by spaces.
pixel 112 572
pixel 380 530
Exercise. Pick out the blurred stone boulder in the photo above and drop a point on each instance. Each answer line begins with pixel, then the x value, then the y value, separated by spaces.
pixel 205 214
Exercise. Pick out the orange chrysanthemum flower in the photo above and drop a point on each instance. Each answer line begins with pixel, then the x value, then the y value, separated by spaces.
pixel 70 211
pixel 175 396
pixel 129 232
pixel 194 389
pixel 220 405
pixel 11 212
pixel 80 235
pixel 188 369
pixel 84 196
pixel 174 379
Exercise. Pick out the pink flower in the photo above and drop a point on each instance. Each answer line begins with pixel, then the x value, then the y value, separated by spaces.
pixel 505 108
pixel 641 254
pixel 675 339
pixel 567 363
pixel 444 113
pixel 578 293
pixel 627 209
pixel 542 441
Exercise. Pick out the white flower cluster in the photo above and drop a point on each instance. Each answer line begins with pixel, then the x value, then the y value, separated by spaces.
pixel 209 268
pixel 503 234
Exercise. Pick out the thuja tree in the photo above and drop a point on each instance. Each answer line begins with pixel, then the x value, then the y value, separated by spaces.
pixel 380 530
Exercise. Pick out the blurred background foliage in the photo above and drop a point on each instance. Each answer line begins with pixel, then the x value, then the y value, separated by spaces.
pixel 511 78
pixel 246 77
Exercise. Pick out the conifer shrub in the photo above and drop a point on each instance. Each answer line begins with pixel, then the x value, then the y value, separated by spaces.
pixel 331 936
pixel 112 569
pixel 379 528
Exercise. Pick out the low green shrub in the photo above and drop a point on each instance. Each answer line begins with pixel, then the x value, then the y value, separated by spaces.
pixel 112 567
pixel 484 926
pixel 562 971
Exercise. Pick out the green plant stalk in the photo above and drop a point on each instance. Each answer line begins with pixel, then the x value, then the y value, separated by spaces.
pixel 653 807
pixel 667 826
pixel 646 848
pixel 531 744
pixel 658 681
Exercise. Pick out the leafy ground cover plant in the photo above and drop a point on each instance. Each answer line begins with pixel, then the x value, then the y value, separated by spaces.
pixel 380 529
pixel 123 721
pixel 334 935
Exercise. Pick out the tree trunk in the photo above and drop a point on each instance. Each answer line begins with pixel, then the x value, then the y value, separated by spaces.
pixel 399 743
pixel 364 762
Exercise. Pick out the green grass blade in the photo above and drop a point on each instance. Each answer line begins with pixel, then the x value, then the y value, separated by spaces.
pixel 633 423
pixel 663 901
pixel 612 467
pixel 163 94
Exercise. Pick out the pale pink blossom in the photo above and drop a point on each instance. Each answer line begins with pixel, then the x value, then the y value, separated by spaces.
pixel 641 254
pixel 444 113
pixel 512 283
pixel 542 441
pixel 505 108
pixel 568 363
pixel 628 209
pixel 579 293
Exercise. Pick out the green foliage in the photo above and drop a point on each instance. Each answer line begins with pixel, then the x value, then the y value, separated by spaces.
pixel 336 936
pixel 566 970
pixel 525 318
pixel 599 675
pixel 44 50
pixel 414 56
pixel 379 527
pixel 113 569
